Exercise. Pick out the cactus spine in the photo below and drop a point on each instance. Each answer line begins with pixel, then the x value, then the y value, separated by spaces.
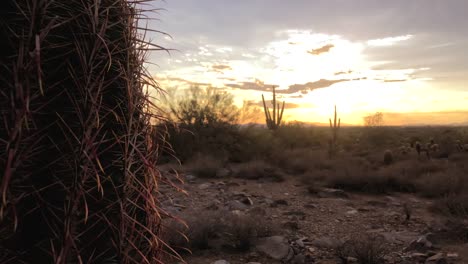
pixel 273 120
pixel 334 127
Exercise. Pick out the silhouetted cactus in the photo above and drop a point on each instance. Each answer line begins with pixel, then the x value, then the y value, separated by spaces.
pixel 273 120
pixel 78 180
pixel 334 128
pixel 388 157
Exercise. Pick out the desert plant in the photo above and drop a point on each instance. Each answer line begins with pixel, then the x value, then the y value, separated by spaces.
pixel 334 128
pixel 201 106
pixel 204 166
pixel 273 120
pixel 79 181
pixel 388 157
pixel 366 249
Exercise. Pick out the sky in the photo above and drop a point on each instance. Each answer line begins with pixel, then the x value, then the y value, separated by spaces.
pixel 406 58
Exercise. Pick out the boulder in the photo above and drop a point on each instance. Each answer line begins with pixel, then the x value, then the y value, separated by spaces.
pixel 275 247
pixel 222 261
pixel 332 193
pixel 326 242
pixel 438 258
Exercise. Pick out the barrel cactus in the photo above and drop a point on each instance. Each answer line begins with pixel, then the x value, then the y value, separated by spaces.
pixel 388 157
pixel 78 179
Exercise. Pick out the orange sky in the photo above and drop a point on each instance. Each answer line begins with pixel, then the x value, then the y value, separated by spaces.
pixel 402 58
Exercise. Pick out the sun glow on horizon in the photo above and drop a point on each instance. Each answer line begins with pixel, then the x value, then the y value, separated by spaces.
pixel 316 71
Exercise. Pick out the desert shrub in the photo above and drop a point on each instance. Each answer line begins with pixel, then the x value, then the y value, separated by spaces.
pixel 255 142
pixel 216 230
pixel 442 183
pixel 355 174
pixel 297 135
pixel 202 120
pixel 204 166
pixel 452 205
pixel 219 139
pixel 296 161
pixel 388 157
pixel 257 169
pixel 367 249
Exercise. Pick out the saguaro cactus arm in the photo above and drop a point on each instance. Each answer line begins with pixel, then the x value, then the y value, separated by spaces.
pixel 273 120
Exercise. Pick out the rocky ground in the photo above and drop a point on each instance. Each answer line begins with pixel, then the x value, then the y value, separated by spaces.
pixel 319 227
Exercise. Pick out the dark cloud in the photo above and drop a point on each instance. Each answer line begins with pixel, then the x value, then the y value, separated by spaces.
pixel 304 88
pixel 176 79
pixel 221 67
pixel 400 80
pixel 256 86
pixel 287 105
pixel 295 88
pixel 321 50
pixel 343 72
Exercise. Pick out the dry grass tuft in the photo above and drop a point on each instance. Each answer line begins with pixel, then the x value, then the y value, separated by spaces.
pixel 219 230
pixel 204 166
pixel 366 249
pixel 258 169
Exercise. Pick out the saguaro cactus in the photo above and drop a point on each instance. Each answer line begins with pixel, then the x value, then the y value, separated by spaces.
pixel 273 120
pixel 77 180
pixel 334 128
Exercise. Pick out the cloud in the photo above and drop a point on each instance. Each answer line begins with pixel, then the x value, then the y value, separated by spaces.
pixel 303 88
pixel 221 68
pixel 401 80
pixel 287 105
pixel 390 41
pixel 343 72
pixel 321 50
pixel 256 86
pixel 173 80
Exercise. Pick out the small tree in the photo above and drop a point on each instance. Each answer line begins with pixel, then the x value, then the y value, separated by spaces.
pixel 204 119
pixel 197 106
pixel 375 132
pixel 374 120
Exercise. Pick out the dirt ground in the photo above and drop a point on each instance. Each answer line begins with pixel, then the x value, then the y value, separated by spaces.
pixel 319 220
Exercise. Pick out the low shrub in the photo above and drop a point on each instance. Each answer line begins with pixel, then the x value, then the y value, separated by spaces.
pixel 204 166
pixel 366 249
pixel 257 169
pixel 221 230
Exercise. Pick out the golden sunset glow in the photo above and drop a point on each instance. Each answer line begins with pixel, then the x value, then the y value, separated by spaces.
pixel 404 72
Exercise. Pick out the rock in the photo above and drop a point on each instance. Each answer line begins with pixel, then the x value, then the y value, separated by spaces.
pixel 295 214
pixel 298 259
pixel 332 193
pixel 223 173
pixel 400 237
pixel 418 257
pixel 254 263
pixel 438 258
pixel 220 262
pixel 204 186
pixel 421 244
pixel 377 203
pixel 310 206
pixel 293 225
pixel 452 255
pixel 279 202
pixel 247 201
pixel 275 247
pixel 236 205
pixel 190 177
pixel 326 242
pixel 352 212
